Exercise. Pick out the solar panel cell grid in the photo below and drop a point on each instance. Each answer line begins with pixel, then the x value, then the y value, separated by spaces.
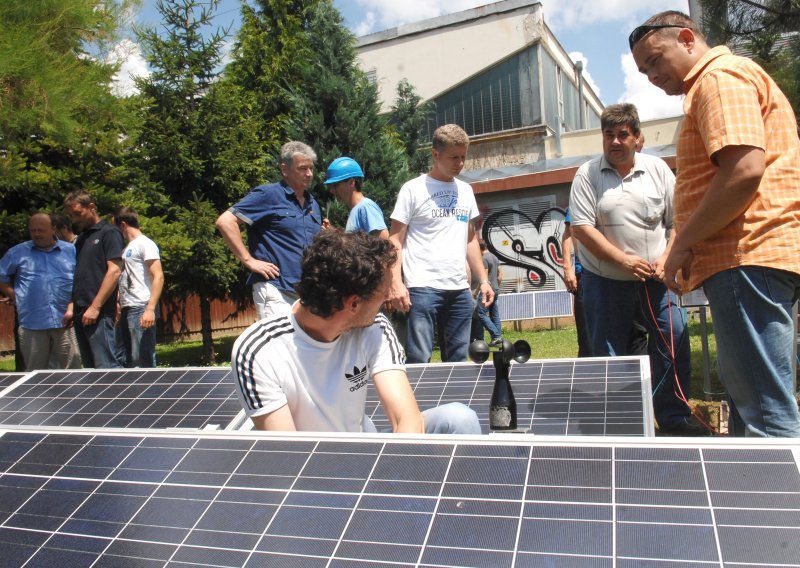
pixel 8 379
pixel 158 398
pixel 256 502
pixel 590 397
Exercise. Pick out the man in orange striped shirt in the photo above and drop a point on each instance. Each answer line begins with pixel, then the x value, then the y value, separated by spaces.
pixel 737 213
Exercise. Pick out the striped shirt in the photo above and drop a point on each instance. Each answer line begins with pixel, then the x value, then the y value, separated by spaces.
pixel 731 101
pixel 275 363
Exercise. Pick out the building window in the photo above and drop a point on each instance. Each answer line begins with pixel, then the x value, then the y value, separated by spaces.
pixel 372 76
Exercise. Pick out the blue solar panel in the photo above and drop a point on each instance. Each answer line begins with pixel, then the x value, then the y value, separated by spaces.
pixel 532 305
pixel 8 379
pixel 234 500
pixel 588 397
pixel 123 398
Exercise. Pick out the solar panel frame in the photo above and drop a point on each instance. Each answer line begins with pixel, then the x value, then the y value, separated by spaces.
pixel 187 397
pixel 533 305
pixel 600 396
pixel 144 498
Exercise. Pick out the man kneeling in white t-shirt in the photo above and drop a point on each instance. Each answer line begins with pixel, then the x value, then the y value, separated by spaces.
pixel 309 370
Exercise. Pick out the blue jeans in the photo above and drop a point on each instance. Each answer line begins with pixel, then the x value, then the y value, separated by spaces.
pixel 751 307
pixel 451 418
pixel 140 344
pixel 454 310
pixel 98 343
pixel 490 317
pixel 610 308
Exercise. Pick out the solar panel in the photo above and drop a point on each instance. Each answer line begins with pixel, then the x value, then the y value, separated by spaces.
pixel 123 398
pixel 607 396
pixel 8 379
pixel 532 305
pixel 124 499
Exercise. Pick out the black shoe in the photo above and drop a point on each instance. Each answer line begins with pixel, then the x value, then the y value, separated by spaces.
pixel 496 342
pixel 690 428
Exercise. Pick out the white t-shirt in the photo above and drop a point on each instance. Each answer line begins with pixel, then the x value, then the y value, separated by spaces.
pixel 634 213
pixel 437 214
pixel 275 363
pixel 135 280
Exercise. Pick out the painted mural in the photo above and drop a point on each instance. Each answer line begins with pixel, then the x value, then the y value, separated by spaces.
pixel 529 249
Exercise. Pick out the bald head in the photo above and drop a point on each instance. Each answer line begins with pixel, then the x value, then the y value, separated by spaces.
pixel 41 231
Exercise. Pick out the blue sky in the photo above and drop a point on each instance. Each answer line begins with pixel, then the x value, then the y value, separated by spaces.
pixel 593 30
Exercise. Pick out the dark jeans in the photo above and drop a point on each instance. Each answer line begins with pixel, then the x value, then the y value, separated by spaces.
pixel 98 343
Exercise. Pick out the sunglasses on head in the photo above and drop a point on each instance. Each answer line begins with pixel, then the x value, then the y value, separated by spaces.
pixel 641 31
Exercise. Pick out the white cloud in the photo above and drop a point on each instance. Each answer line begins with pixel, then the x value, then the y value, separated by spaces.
pixel 385 14
pixel 651 101
pixel 128 55
pixel 575 14
pixel 578 56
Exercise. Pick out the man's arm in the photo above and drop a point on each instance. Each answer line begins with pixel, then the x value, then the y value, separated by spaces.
pixel 398 402
pixel 107 287
pixel 228 226
pixel 570 278
pixel 730 193
pixel 148 318
pixel 602 248
pixel 7 290
pixel 383 233
pixel 475 261
pixel 277 420
pixel 398 298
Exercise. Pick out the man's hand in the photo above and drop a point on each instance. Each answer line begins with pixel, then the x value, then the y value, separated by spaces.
pixel 571 280
pixel 90 316
pixel 677 261
pixel 148 318
pixel 639 267
pixel 66 320
pixel 265 269
pixel 398 299
pixel 487 293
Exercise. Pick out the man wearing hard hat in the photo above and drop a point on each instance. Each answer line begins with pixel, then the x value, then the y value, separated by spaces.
pixel 345 179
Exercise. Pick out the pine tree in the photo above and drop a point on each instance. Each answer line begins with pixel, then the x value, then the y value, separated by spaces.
pixel 409 115
pixel 199 147
pixel 768 29
pixel 60 127
pixel 336 110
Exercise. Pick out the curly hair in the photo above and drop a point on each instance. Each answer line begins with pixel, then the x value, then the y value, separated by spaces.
pixel 338 264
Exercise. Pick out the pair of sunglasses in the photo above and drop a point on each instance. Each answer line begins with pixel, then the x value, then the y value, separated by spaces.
pixel 641 31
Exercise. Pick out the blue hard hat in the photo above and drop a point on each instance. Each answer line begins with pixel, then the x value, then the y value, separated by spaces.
pixel 341 169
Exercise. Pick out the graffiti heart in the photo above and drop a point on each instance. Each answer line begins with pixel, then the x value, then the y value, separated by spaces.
pixel 532 246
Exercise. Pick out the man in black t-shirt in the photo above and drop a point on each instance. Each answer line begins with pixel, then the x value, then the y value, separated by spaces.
pixel 94 292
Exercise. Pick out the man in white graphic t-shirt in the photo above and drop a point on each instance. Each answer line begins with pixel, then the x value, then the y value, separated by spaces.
pixel 433 233
pixel 140 285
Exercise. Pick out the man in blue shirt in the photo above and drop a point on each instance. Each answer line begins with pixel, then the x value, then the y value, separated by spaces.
pixel 37 276
pixel 345 179
pixel 282 219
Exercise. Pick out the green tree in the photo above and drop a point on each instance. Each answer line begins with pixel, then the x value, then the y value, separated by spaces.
pixel 409 115
pixel 60 127
pixel 768 29
pixel 335 109
pixel 265 64
pixel 199 148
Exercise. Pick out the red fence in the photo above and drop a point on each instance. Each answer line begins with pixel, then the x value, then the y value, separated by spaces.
pixel 179 320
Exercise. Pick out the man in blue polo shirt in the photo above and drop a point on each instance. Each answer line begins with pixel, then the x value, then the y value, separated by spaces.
pixel 37 276
pixel 282 219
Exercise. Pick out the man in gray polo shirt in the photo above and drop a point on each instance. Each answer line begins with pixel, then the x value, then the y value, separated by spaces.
pixel 621 206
